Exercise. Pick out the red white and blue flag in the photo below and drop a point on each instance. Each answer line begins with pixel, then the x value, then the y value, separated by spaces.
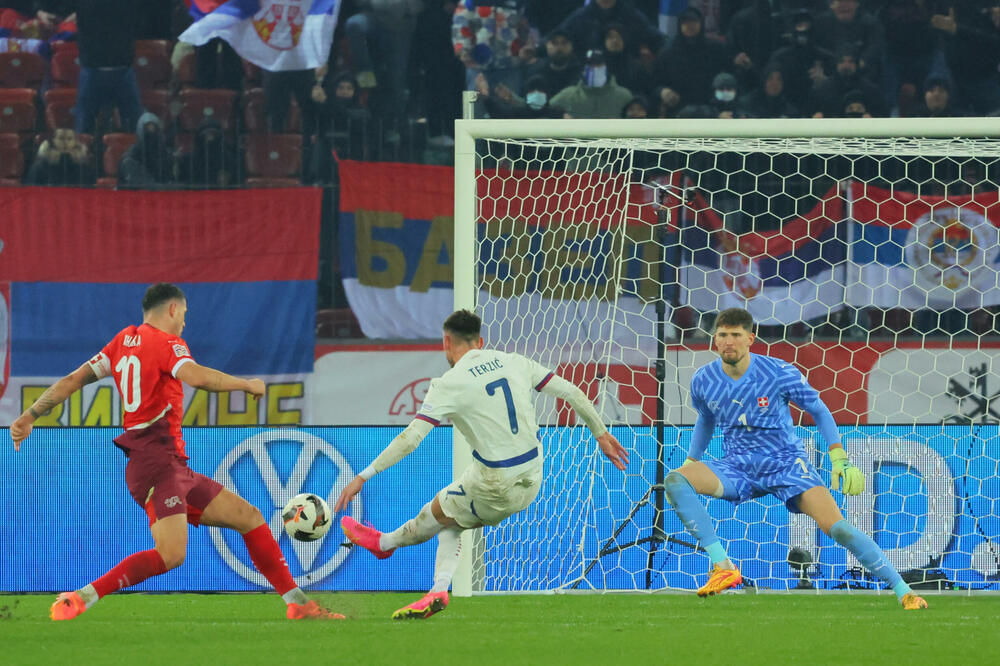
pixel 273 34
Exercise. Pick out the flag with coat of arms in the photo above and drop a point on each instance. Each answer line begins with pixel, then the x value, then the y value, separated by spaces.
pixel 273 34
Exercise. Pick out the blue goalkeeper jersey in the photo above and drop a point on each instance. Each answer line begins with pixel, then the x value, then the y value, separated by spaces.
pixel 753 410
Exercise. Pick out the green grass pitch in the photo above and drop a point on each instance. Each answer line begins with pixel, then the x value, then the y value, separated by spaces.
pixel 618 629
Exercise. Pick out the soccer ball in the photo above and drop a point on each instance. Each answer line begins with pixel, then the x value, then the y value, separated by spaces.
pixel 307 517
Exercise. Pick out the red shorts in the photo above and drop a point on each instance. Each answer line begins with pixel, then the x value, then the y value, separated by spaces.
pixel 160 481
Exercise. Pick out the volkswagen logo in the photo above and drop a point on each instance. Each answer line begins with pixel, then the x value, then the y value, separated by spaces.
pixel 260 452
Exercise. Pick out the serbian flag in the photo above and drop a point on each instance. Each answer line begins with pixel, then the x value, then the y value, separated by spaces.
pixel 920 251
pixel 782 277
pixel 273 34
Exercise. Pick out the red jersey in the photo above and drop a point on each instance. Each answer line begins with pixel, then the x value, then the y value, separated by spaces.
pixel 144 361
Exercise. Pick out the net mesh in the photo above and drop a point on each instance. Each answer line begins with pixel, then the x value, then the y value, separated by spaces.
pixel 870 264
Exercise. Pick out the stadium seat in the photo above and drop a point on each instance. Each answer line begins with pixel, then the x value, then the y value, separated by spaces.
pixel 274 160
pixel 158 102
pixel 158 47
pixel 17 110
pixel 255 118
pixel 59 103
pixel 116 145
pixel 11 159
pixel 65 68
pixel 152 70
pixel 199 104
pixel 187 71
pixel 20 69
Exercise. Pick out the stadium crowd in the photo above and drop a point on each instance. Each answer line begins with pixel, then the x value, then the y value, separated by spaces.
pixel 391 88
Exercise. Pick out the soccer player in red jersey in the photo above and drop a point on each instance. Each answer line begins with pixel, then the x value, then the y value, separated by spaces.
pixel 148 363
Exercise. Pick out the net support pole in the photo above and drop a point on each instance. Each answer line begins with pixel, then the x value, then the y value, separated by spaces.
pixel 465 297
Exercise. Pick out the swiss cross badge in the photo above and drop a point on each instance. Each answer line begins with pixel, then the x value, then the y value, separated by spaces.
pixel 762 402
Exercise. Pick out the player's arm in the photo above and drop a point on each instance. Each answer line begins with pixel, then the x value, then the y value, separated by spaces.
pixel 701 436
pixel 52 396
pixel 844 475
pixel 401 446
pixel 216 381
pixel 581 404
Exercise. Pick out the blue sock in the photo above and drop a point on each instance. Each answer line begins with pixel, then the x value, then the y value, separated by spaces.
pixel 694 515
pixel 869 554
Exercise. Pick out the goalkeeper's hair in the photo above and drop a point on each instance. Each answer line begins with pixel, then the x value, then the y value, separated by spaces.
pixel 735 317
pixel 464 325
pixel 160 293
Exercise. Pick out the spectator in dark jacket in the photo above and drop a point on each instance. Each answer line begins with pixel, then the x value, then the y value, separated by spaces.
pixel 106 33
pixel 622 61
pixel 848 23
pixel 560 67
pixel 937 100
pixel 828 96
pixel 972 47
pixel 588 24
pixel 752 38
pixel 801 61
pixel 501 103
pixel 684 70
pixel 214 162
pixel 148 164
pixel 769 99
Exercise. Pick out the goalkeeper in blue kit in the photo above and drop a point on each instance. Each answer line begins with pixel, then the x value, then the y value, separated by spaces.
pixel 747 395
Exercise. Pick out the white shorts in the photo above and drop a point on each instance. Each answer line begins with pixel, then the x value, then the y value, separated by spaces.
pixel 473 500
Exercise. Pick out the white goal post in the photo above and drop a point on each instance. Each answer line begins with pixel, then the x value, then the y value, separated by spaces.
pixel 603 247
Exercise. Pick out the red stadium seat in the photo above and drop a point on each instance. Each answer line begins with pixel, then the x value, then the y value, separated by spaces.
pixel 199 104
pixel 65 68
pixel 20 69
pixel 159 47
pixel 255 118
pixel 274 160
pixel 187 71
pixel 17 110
pixel 11 159
pixel 158 102
pixel 152 70
pixel 115 146
pixel 59 103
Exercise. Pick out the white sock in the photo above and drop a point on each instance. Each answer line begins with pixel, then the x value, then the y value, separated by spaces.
pixel 295 596
pixel 449 549
pixel 418 529
pixel 89 595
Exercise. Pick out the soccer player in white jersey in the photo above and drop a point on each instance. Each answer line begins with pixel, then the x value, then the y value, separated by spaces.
pixel 488 396
pixel 747 395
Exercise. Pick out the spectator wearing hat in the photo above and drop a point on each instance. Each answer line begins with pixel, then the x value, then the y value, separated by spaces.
pixel 769 100
pixel 560 67
pixel 588 24
pixel 937 101
pixel 622 63
pixel 596 95
pixel 637 107
pixel 724 93
pixel 853 105
pixel 684 70
pixel 828 95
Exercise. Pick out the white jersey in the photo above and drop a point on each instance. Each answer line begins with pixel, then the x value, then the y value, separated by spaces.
pixel 489 396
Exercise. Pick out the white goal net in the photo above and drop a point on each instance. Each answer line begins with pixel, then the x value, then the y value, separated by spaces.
pixel 604 250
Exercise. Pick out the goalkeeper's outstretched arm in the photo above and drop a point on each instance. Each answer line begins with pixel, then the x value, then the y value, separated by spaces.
pixel 610 447
pixel 401 446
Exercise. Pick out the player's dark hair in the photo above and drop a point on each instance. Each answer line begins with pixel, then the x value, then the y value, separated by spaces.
pixel 160 293
pixel 735 317
pixel 464 325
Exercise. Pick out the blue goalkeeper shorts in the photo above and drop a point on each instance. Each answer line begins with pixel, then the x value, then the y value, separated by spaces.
pixel 748 475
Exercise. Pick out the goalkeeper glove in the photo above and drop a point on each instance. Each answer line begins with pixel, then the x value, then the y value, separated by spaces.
pixel 853 479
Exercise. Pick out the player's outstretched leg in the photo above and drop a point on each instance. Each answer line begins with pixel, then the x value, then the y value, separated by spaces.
pixel 364 536
pixel 448 552
pixel 872 558
pixel 697 521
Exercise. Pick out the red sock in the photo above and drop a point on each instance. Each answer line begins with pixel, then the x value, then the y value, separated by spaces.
pixel 131 571
pixel 267 557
